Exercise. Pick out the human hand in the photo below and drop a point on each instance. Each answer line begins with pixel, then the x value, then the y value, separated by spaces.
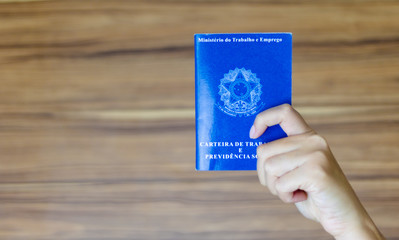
pixel 301 169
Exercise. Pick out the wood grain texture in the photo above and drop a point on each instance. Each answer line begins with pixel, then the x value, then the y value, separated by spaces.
pixel 97 137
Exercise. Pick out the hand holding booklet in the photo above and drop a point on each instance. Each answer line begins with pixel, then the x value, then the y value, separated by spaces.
pixel 238 76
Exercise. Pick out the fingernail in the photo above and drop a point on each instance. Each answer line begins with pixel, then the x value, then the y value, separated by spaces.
pixel 252 132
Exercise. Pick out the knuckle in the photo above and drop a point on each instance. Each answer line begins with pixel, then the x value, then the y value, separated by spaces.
pixel 319 156
pixel 262 151
pixel 269 166
pixel 286 109
pixel 280 186
pixel 318 141
pixel 271 184
pixel 285 197
pixel 320 168
pixel 258 119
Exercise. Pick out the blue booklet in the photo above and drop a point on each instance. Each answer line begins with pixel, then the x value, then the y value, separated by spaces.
pixel 238 76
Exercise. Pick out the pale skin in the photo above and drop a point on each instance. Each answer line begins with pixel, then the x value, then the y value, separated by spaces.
pixel 301 169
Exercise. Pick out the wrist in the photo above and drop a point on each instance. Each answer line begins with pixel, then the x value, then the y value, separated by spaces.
pixel 364 229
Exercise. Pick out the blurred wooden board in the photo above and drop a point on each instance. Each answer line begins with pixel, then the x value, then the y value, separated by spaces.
pixel 97 134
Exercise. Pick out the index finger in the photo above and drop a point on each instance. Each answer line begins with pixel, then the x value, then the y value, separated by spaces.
pixel 285 115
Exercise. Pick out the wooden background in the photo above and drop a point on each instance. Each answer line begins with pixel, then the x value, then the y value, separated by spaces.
pixel 97 136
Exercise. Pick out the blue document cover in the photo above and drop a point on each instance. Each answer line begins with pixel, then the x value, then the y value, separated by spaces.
pixel 238 76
